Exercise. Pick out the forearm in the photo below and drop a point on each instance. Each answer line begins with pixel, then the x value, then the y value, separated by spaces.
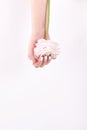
pixel 38 15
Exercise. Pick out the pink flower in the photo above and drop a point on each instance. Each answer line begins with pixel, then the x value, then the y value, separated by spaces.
pixel 46 47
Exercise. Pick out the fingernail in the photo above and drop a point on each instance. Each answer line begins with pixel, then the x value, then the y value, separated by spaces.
pixel 50 57
pixel 41 58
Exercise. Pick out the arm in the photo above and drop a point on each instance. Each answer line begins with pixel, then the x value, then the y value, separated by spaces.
pixel 38 16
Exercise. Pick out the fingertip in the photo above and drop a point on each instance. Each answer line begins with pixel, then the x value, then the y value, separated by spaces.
pixel 32 59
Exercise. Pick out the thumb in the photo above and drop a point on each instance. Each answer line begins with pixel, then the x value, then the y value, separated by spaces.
pixel 31 57
pixel 31 53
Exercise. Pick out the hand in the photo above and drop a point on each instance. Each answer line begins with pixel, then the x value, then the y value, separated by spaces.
pixel 41 61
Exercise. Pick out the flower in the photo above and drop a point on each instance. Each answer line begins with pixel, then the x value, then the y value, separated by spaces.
pixel 46 47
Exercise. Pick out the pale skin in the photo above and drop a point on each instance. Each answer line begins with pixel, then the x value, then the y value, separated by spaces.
pixel 38 16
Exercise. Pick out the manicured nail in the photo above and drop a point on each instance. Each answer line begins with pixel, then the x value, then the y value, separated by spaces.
pixel 41 58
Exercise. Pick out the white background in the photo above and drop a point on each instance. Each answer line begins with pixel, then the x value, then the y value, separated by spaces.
pixel 52 98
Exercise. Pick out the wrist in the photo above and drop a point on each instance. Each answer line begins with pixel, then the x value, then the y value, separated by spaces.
pixel 41 33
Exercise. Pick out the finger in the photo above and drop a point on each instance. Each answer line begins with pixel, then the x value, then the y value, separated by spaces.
pixel 44 61
pixel 49 59
pixel 33 59
pixel 39 62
